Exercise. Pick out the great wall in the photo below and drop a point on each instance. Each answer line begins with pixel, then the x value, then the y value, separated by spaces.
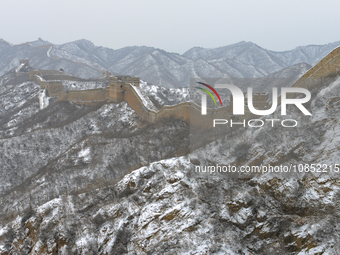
pixel 127 88
pixel 120 90
pixel 329 65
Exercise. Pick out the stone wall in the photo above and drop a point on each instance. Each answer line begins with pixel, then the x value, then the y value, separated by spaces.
pixel 184 111
pixel 179 112
pixel 136 103
pixel 261 100
pixel 120 89
pixel 58 75
pixel 32 74
pixel 51 75
pixel 86 97
pixel 326 66
pixel 106 74
pixel 54 88
pixel 125 80
pixel 116 92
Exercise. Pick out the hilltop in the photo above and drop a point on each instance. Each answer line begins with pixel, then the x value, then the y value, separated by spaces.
pixel 83 59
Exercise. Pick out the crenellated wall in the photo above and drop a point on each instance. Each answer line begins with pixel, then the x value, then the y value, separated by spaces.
pixel 325 67
pixel 187 111
pixel 180 111
pixel 122 88
pixel 54 88
pixel 119 92
pixel 32 74
pixel 136 103
pixel 125 80
pixel 86 97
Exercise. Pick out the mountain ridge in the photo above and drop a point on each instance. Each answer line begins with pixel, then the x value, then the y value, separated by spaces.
pixel 84 59
pixel 79 179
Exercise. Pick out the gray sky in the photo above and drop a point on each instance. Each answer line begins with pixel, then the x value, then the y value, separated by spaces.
pixel 175 25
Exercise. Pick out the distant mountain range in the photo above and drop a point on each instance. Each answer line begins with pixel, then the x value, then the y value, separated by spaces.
pixel 241 60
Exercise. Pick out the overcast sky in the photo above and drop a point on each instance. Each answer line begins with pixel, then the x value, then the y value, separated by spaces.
pixel 175 25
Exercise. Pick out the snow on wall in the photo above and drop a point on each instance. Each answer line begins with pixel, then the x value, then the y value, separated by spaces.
pixel 43 99
pixel 82 85
pixel 19 67
pixel 145 99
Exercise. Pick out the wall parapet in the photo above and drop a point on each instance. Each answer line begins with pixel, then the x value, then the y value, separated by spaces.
pixel 326 66
pixel 86 97
pixel 122 88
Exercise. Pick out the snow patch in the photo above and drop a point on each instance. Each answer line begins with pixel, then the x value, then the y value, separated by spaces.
pixel 145 99
pixel 85 153
pixel 19 67
pixel 43 99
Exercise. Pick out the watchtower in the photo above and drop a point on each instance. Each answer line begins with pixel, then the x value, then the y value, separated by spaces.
pixel 107 74
pixel 116 90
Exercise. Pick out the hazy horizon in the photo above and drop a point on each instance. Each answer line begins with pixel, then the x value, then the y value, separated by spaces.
pixel 157 47
pixel 174 26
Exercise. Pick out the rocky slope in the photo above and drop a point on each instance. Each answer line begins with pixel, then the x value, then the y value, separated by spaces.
pixel 166 208
pixel 74 189
pixel 62 144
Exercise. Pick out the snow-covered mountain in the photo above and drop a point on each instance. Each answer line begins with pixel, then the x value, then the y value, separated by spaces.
pixel 74 200
pixel 98 179
pixel 82 58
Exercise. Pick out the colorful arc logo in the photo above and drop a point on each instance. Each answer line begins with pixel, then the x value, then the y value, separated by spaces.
pixel 207 91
